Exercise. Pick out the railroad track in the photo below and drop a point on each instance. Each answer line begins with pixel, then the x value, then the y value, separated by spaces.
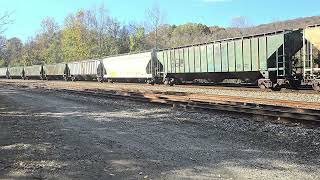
pixel 304 90
pixel 262 107
pixel 178 101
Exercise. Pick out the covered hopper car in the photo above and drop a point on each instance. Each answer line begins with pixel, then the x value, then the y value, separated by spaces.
pixel 16 72
pixel 33 72
pixel 267 60
pixel 82 70
pixel 264 60
pixel 309 73
pixel 54 71
pixel 142 67
pixel 4 72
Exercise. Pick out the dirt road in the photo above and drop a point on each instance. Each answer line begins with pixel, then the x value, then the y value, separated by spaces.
pixel 49 135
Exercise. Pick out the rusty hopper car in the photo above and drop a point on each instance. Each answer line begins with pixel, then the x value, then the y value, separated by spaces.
pixel 263 59
pixel 55 71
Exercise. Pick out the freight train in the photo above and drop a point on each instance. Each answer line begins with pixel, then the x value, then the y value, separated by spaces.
pixel 281 59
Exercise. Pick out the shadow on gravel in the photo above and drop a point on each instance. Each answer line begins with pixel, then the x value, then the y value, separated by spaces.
pixel 55 136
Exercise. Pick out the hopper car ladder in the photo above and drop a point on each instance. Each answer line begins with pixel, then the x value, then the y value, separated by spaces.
pixel 281 62
pixel 307 58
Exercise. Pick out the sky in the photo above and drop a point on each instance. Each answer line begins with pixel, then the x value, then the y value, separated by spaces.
pixel 28 14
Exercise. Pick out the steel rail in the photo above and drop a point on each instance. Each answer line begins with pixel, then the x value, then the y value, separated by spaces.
pixel 238 107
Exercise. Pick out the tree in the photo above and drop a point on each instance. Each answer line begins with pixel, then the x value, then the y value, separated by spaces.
pixel 3 42
pixel 240 22
pixel 124 40
pixel 114 29
pixel 31 53
pixel 93 34
pixel 97 23
pixel 12 53
pixel 154 20
pixel 189 34
pixel 4 21
pixel 137 37
pixel 74 38
pixel 50 41
pixel 164 36
pixel 49 26
pixel 102 24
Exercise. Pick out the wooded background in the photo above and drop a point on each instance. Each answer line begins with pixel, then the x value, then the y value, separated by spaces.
pixel 92 33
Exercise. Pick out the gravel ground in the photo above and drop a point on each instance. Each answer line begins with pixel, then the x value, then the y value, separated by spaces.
pixel 49 135
pixel 289 96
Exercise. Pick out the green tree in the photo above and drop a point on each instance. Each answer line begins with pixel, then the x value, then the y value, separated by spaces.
pixel 137 39
pixel 124 40
pixel 74 41
pixel 50 41
pixel 189 33
pixel 12 53
pixel 3 61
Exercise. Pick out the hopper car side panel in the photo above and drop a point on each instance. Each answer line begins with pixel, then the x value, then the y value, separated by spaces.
pixel 184 55
pixel 3 72
pixel 224 57
pixel 239 56
pixel 311 57
pixel 84 70
pixel 33 72
pixel 134 66
pixel 217 57
pixel 254 45
pixel 16 72
pixel 55 71
pixel 245 59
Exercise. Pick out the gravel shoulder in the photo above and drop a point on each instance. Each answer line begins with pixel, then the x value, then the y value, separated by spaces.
pixel 50 135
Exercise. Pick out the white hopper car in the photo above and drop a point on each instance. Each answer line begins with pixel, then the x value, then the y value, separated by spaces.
pixel 130 68
pixel 3 72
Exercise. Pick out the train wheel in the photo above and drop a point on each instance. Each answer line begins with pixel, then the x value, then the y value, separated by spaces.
pixel 316 86
pixel 295 85
pixel 151 82
pixel 166 81
pixel 100 79
pixel 276 87
pixel 262 86
pixel 171 82
pixel 73 79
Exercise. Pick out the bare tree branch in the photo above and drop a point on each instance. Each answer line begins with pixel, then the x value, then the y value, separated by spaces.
pixel 154 18
pixel 5 19
pixel 240 22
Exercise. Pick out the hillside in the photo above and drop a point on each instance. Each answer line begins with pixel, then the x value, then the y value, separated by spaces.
pixel 191 33
pixel 271 27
